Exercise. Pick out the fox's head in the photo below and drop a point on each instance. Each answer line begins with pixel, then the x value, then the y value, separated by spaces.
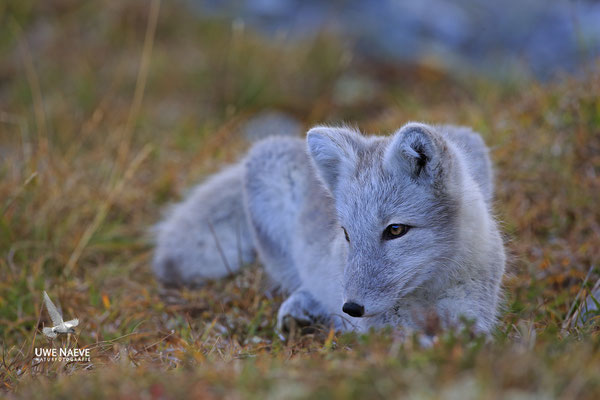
pixel 397 201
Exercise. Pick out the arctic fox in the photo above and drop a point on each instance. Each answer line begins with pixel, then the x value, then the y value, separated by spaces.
pixel 358 231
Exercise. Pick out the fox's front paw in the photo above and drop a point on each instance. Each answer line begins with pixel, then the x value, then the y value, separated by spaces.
pixel 301 312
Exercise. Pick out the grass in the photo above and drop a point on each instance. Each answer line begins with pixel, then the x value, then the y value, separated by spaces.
pixel 104 121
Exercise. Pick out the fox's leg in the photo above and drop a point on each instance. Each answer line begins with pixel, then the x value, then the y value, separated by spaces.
pixel 274 190
pixel 302 310
pixel 276 187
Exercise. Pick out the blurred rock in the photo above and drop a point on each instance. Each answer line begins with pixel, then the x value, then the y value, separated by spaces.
pixel 499 38
pixel 271 123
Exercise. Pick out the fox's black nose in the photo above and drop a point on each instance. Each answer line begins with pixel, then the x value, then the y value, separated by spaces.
pixel 353 309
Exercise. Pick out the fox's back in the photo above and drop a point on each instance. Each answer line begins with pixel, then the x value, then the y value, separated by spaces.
pixel 475 153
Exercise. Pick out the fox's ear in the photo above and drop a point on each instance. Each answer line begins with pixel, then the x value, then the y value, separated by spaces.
pixel 333 152
pixel 417 150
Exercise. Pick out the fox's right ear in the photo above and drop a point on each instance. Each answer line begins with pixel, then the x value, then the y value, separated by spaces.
pixel 333 152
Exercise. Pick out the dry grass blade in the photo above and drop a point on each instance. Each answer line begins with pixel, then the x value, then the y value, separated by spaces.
pixel 140 84
pixel 35 87
pixel 105 207
pixel 18 193
pixel 219 248
pixel 572 317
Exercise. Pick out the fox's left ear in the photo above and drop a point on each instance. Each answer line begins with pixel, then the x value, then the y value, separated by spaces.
pixel 417 150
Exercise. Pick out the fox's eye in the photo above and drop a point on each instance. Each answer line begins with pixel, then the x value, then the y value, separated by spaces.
pixel 346 235
pixel 394 231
